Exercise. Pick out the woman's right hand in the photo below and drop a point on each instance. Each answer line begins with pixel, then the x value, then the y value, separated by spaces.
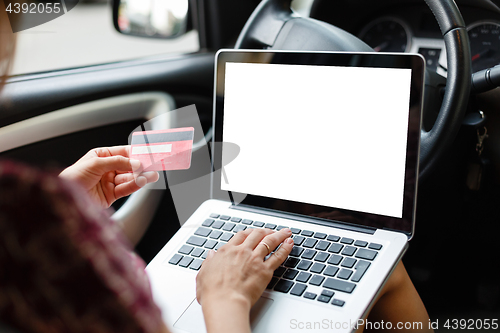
pixel 231 281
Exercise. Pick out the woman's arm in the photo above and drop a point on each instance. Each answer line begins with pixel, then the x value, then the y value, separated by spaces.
pixel 232 280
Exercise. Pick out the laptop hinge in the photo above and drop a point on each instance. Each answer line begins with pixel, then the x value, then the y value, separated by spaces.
pixel 302 218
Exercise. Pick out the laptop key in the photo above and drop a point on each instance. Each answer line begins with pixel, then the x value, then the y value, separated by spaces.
pixel 298 240
pixel 281 227
pixel 348 262
pixel 186 261
pixel 197 252
pixel 320 235
pixel 327 293
pixel 228 226
pixel 185 249
pixel 321 257
pixel 279 271
pixel 316 280
pixel 366 254
pixel 219 245
pixel 310 242
pixel 324 299
pixel 375 246
pixel 175 259
pixel 196 264
pixel 303 277
pixel 339 285
pixel 235 219
pixel 333 238
pixel 218 224
pixel 215 234
pixel 195 240
pixel 298 289
pixel 360 243
pixel 295 231
pixel 344 274
pixel 272 283
pixel 210 244
pixel 208 222
pixel 346 240
pixel 335 259
pixel 258 224
pixel 360 270
pixel 309 295
pixel 283 286
pixel 224 217
pixel 239 227
pixel 304 265
pixel 309 254
pixel 307 233
pixel 214 215
pixel 338 302
pixel 291 262
pixel 331 271
pixel 296 251
pixel 323 245
pixel 247 221
pixel 335 248
pixel 290 274
pixel 317 268
pixel 226 236
pixel 270 226
pixel 349 250
pixel 202 232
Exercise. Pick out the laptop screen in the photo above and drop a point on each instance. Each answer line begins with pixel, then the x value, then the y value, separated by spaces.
pixel 325 135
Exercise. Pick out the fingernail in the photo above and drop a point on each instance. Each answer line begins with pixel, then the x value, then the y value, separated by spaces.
pixel 289 241
pixel 135 164
pixel 141 181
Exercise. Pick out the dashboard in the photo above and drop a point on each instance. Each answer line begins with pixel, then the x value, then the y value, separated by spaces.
pixel 409 26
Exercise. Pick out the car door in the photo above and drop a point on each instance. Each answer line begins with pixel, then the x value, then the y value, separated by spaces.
pixel 51 115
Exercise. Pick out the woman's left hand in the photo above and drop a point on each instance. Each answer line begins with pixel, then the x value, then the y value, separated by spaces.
pixel 108 174
pixel 232 280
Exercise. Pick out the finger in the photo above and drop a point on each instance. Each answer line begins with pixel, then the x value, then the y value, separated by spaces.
pixel 150 176
pixel 101 165
pixel 255 237
pixel 113 151
pixel 278 257
pixel 133 185
pixel 272 240
pixel 240 237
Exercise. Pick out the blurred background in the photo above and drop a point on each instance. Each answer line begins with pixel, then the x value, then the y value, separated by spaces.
pixel 86 36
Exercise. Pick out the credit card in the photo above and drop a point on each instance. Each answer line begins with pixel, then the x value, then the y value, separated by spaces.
pixel 163 149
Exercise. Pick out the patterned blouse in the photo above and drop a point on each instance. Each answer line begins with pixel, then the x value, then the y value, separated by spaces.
pixel 64 265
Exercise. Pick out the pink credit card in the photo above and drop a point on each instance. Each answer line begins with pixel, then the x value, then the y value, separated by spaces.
pixel 163 149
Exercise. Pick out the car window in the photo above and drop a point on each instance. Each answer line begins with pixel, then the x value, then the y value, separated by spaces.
pixel 86 36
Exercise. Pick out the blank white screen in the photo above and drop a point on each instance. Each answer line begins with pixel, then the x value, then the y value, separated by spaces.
pixel 324 135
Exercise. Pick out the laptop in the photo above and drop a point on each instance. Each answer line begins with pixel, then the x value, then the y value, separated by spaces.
pixel 327 145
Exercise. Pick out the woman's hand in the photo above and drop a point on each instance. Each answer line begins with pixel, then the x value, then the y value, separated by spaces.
pixel 231 281
pixel 106 173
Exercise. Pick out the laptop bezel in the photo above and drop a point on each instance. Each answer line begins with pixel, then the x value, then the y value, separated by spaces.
pixel 415 62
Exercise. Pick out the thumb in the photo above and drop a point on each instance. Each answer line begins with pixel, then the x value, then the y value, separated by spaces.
pixel 102 165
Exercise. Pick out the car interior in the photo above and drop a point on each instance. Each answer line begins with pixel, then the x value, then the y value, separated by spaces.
pixel 50 119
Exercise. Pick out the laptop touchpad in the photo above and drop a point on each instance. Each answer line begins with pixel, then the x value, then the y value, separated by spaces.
pixel 192 319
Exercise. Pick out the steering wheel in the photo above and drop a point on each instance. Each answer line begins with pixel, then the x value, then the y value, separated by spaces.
pixel 273 25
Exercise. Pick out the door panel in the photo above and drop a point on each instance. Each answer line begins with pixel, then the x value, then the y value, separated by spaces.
pixel 50 120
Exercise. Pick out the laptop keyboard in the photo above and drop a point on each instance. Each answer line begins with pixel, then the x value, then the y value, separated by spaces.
pixel 333 263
